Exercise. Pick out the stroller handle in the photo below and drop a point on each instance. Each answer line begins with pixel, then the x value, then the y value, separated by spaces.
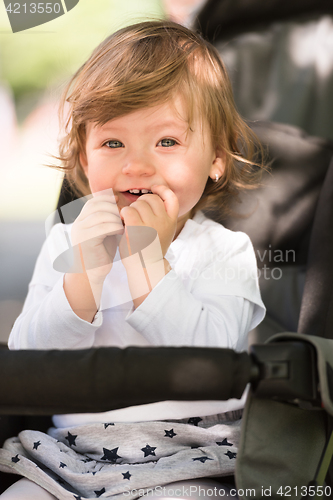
pixel 102 379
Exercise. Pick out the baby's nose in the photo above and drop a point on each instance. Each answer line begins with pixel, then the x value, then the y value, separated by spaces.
pixel 139 164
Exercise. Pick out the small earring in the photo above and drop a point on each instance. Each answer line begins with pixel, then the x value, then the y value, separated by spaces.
pixel 216 177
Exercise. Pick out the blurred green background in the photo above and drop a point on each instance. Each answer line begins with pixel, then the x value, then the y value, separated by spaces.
pixel 34 59
pixel 35 64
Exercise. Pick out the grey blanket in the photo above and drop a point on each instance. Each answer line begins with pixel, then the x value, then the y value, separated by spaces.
pixel 123 460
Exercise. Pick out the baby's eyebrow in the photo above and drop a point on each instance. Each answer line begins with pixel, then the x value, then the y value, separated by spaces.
pixel 156 126
pixel 169 123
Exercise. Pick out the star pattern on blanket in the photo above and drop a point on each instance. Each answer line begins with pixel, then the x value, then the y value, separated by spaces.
pixel 98 493
pixel 194 420
pixel 112 460
pixel 201 459
pixel 170 433
pixel 224 443
pixel 107 425
pixel 71 439
pixel 110 455
pixel 149 450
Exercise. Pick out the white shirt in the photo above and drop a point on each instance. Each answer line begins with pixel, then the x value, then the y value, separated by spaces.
pixel 210 298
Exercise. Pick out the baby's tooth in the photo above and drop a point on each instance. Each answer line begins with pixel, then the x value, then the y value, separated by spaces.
pixel 134 191
pixel 144 191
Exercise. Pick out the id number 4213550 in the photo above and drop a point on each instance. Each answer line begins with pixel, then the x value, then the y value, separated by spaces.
pixel 34 8
pixel 304 491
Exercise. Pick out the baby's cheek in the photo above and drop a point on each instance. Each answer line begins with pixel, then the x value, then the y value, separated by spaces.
pixel 189 199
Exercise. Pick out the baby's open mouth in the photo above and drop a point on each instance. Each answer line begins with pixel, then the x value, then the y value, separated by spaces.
pixel 139 192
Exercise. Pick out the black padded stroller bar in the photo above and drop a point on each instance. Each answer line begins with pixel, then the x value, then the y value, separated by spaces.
pixel 96 380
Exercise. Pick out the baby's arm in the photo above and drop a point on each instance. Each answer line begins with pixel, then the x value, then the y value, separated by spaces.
pixel 94 232
pixel 47 321
pixel 160 212
pixel 59 311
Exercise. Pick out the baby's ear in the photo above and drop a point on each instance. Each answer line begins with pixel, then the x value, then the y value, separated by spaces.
pixel 218 165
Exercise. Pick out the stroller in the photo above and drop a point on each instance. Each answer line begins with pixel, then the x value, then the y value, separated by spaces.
pixel 286 445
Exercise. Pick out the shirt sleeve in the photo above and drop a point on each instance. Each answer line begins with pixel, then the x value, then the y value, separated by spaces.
pixel 210 298
pixel 47 320
pixel 171 315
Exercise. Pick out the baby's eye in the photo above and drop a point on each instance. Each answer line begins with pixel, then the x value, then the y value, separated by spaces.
pixel 168 142
pixel 113 144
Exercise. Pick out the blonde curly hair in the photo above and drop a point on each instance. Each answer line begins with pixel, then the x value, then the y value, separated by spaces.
pixel 147 64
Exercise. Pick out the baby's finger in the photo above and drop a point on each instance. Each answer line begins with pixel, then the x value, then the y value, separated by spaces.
pixel 95 219
pixel 148 209
pixel 149 202
pixel 131 216
pixel 169 199
pixel 111 200
pixel 102 205
pixel 99 205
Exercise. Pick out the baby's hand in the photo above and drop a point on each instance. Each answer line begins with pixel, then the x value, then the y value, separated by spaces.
pixel 158 210
pixel 94 231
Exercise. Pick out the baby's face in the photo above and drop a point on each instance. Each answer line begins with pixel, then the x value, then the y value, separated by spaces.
pixel 148 147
